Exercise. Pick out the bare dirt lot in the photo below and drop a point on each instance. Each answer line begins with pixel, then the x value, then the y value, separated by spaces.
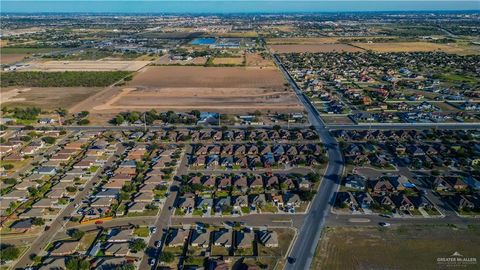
pixel 6 59
pixel 412 247
pixel 302 40
pixel 227 77
pixel 46 98
pixel 228 60
pixel 314 48
pixel 255 60
pixel 165 60
pixel 86 65
pixel 413 47
pixel 231 89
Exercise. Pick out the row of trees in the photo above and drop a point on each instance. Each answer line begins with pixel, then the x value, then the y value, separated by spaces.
pixel 61 79
pixel 150 116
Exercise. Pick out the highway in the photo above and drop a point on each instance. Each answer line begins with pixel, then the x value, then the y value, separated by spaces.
pixel 309 234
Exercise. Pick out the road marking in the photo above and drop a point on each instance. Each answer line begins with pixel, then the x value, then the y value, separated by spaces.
pixel 359 220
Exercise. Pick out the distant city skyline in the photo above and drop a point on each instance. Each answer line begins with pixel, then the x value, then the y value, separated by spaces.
pixel 237 6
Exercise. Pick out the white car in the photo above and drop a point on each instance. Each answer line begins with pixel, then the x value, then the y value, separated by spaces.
pixel 151 262
pixel 153 229
pixel 384 224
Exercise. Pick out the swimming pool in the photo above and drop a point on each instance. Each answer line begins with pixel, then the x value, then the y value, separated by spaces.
pixel 203 41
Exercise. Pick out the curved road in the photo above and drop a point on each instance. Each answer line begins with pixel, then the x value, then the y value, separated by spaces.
pixel 309 233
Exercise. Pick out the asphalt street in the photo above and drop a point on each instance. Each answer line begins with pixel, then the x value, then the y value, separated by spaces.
pixel 309 234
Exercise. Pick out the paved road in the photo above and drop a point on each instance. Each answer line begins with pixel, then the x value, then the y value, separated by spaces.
pixel 407 126
pixel 373 220
pixel 309 234
pixel 161 127
pixel 58 224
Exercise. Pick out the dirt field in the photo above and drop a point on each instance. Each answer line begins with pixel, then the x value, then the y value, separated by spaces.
pixel 411 47
pixel 86 65
pixel 314 48
pixel 255 60
pixel 46 98
pixel 165 60
pixel 234 90
pixel 6 59
pixel 302 41
pixel 413 247
pixel 215 77
pixel 228 60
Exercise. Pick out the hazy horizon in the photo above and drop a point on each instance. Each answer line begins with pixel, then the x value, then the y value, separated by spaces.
pixel 215 7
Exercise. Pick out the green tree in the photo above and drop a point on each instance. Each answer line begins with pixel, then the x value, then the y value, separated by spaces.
pixel 83 114
pixel 49 140
pixel 137 245
pixel 125 266
pixel 38 221
pixel 83 122
pixel 167 257
pixel 8 166
pixel 76 234
pixel 8 252
pixel 76 263
pixel 119 119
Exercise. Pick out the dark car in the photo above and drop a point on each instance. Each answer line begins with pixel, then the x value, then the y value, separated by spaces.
pixel 291 260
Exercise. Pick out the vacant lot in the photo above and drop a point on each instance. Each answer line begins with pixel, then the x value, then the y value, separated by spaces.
pixel 6 59
pixel 165 60
pixel 87 65
pixel 314 48
pixel 227 60
pixel 212 77
pixel 11 55
pixel 178 88
pixel 302 41
pixel 46 98
pixel 413 247
pixel 257 61
pixel 409 47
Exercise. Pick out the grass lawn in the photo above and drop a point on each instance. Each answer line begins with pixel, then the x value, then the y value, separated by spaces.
pixel 269 208
pixel 87 240
pixel 246 210
pixel 416 247
pixel 244 252
pixel 141 231
pixel 197 212
pixel 144 213
pixel 175 250
pixel 194 261
pixel 179 212
pixel 195 251
pixel 218 250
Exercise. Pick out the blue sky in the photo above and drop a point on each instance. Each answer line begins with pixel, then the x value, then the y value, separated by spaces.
pixel 232 6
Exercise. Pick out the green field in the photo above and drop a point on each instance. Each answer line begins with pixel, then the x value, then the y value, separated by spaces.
pixel 14 50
